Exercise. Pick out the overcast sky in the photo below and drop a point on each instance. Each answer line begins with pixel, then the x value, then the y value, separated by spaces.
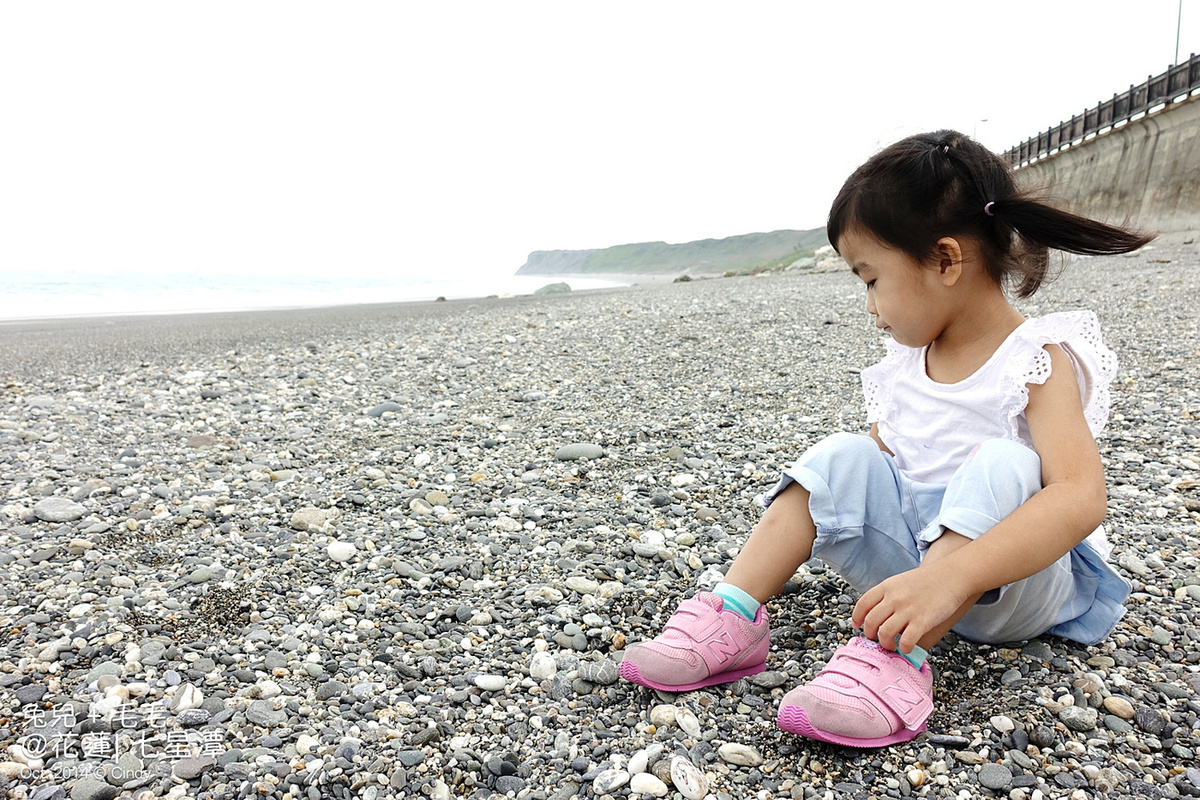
pixel 369 137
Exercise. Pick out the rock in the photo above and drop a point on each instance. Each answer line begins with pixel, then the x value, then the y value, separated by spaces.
pixel 1079 719
pixel 491 683
pixel 1150 720
pixel 190 767
pixel 58 509
pixel 330 689
pixel 341 552
pixel 1119 706
pixel 193 717
pixel 582 585
pixel 603 672
pixel 662 715
pixel 743 755
pixel 996 777
pixel 203 440
pixel 609 781
pixel 383 408
pixel 310 518
pixel 129 769
pixel 646 784
pixel 690 781
pixel 89 788
pixel 186 697
pixel 554 288
pixel 687 722
pixel 574 452
pixel 264 713
pixel 542 666
pixel 202 575
pixel 30 693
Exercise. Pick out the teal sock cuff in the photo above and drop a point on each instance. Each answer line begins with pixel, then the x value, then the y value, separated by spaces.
pixel 916 657
pixel 737 600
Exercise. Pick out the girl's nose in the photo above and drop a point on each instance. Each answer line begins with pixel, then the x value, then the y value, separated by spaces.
pixel 871 304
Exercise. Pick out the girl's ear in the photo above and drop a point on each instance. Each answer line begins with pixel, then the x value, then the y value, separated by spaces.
pixel 949 254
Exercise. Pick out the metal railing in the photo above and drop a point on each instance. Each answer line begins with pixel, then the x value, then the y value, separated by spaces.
pixel 1164 89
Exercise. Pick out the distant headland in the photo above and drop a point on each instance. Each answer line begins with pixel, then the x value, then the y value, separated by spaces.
pixel 750 252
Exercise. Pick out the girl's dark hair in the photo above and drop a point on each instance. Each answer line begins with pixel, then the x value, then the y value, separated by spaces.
pixel 938 184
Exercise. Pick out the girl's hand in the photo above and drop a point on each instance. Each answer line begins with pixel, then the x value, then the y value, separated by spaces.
pixel 908 605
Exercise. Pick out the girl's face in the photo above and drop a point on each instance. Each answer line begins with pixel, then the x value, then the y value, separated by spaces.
pixel 902 294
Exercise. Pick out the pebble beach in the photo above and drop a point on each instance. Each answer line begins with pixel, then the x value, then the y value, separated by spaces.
pixel 396 551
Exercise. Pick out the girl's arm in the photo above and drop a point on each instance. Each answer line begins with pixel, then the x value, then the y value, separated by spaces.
pixel 878 441
pixel 1071 505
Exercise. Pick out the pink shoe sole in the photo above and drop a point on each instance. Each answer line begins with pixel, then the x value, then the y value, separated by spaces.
pixel 794 720
pixel 629 672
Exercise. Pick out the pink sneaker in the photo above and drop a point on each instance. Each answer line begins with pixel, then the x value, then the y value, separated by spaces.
pixel 701 645
pixel 865 697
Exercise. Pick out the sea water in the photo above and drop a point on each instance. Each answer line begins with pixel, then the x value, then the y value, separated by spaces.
pixel 76 293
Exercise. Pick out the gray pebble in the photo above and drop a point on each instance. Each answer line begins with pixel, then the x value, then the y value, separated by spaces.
pixel 58 509
pixel 574 452
pixel 995 776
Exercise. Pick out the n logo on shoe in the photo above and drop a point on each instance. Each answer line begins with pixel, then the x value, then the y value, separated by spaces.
pixel 722 646
pixel 902 697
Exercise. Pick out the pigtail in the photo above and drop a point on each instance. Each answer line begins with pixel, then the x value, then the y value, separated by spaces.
pixel 1052 227
pixel 1041 227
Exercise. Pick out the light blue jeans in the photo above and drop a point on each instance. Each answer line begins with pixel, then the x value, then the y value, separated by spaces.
pixel 873 522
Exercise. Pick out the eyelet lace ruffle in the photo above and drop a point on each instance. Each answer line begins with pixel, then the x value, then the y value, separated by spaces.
pixel 877 381
pixel 1095 366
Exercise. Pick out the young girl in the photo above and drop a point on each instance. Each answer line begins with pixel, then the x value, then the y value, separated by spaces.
pixel 975 502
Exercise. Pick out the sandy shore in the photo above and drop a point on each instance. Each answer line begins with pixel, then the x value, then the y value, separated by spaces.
pixel 354 552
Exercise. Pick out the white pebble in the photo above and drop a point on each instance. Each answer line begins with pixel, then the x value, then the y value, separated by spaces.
pixel 640 761
pixel 609 781
pixel 24 756
pixel 542 666
pixel 491 683
pixel 646 783
pixel 306 743
pixel 690 781
pixel 268 689
pixel 341 551
pixel 687 721
pixel 662 714
pixel 186 697
pixel 741 754
pixel 1003 724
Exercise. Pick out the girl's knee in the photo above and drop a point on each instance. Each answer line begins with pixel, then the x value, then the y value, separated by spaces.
pixel 1004 457
pixel 848 444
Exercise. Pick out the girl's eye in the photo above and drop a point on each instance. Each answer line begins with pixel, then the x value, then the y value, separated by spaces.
pixel 871 284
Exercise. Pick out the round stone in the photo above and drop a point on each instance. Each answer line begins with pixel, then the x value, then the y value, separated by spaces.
pixel 1119 706
pixel 341 551
pixel 491 683
pixel 743 755
pixel 1079 719
pixel 995 776
pixel 644 783
pixel 574 452
pixel 609 781
pixel 58 509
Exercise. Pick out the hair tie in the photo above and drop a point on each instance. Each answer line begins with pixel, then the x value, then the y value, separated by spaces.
pixel 987 208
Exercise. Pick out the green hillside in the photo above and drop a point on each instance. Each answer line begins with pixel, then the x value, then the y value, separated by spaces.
pixel 742 253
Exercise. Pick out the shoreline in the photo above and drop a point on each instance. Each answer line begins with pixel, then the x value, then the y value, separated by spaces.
pixel 617 280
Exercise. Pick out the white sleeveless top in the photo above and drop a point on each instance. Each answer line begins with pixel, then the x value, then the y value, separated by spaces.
pixel 932 427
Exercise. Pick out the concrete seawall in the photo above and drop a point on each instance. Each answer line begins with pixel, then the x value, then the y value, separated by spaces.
pixel 1146 172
